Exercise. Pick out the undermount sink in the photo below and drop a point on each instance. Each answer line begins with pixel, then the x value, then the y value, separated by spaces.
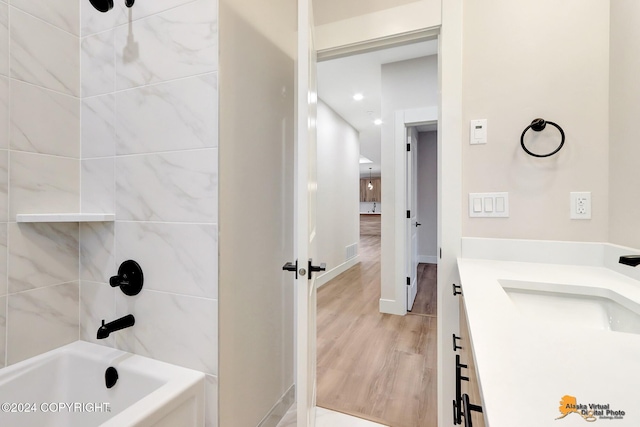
pixel 569 307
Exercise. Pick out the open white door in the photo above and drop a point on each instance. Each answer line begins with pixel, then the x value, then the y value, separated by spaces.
pixel 412 223
pixel 305 218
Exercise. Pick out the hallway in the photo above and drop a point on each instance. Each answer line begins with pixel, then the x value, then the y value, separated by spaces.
pixel 375 366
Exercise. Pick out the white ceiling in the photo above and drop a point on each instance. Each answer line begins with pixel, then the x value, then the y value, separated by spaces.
pixel 339 79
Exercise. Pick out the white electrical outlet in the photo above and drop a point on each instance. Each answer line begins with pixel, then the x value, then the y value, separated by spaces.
pixel 581 205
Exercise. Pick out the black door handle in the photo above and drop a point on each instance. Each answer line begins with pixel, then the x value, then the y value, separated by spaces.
pixel 418 224
pixel 316 268
pixel 291 267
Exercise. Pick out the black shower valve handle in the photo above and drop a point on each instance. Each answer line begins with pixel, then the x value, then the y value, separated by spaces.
pixel 129 278
pixel 116 281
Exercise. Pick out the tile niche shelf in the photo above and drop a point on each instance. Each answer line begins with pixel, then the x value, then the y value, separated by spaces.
pixel 66 217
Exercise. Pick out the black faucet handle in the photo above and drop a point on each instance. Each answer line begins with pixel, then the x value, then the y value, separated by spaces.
pixel 129 278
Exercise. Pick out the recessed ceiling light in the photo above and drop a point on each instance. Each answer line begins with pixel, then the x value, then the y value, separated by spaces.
pixel 377 122
pixel 358 97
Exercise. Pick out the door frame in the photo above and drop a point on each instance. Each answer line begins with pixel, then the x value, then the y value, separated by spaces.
pixel 450 35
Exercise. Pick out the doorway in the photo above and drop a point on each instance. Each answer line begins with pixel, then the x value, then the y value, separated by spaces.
pixel 371 358
pixel 422 232
pixel 422 218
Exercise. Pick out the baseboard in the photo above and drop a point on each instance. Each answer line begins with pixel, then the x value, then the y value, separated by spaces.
pixel 279 409
pixel 427 259
pixel 336 271
pixel 391 306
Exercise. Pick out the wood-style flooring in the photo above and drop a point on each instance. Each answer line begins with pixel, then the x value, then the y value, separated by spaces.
pixel 425 303
pixel 375 366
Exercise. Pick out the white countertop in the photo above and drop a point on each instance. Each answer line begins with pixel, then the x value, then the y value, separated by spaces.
pixel 525 367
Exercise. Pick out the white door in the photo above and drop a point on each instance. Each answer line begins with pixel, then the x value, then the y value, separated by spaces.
pixel 412 218
pixel 305 217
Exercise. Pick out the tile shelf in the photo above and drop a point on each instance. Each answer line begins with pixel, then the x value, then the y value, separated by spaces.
pixel 66 217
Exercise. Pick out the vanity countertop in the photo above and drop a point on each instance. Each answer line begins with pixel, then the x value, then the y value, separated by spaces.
pixel 525 367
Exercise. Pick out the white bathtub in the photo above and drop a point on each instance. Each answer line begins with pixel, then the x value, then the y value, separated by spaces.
pixel 38 391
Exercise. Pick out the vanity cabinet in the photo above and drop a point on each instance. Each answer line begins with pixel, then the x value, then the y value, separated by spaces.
pixel 372 195
pixel 470 387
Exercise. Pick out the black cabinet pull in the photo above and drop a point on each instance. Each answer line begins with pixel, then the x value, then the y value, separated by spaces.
pixel 467 408
pixel 455 342
pixel 457 289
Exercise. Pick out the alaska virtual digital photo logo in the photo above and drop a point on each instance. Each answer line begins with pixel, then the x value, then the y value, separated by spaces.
pixel 590 412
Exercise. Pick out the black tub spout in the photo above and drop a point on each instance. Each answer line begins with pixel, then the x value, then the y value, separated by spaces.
pixel 121 323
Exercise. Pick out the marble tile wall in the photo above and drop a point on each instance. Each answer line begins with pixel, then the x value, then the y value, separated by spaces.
pixel 39 172
pixel 112 112
pixel 150 154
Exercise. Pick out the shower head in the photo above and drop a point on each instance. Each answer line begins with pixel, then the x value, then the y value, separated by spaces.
pixel 107 5
pixel 102 5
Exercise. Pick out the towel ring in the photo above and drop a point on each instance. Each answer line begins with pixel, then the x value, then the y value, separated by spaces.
pixel 538 125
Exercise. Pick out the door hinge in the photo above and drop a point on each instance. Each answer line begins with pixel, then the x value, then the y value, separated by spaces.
pixel 408 281
pixel 440 253
pixel 408 147
pixel 408 214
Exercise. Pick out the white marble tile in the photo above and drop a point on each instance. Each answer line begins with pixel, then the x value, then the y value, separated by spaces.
pixel 97 303
pixel 97 251
pixel 5 99
pixel 3 329
pixel 4 185
pixel 98 192
pixel 41 320
pixel 42 254
pixel 98 64
pixel 211 401
pixel 180 186
pixel 4 39
pixel 177 115
pixel 43 184
pixel 176 258
pixel 58 135
pixel 177 43
pixel 43 54
pixel 98 126
pixel 64 14
pixel 94 21
pixel 176 329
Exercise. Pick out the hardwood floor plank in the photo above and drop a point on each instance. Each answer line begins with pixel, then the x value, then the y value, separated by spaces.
pixel 426 299
pixel 372 365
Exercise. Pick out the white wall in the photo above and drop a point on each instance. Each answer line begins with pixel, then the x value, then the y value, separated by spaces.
pixel 338 190
pixel 406 85
pixel 257 100
pixel 522 62
pixel 624 103
pixel 428 196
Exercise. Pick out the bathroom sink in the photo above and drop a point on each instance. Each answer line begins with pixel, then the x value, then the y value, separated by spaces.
pixel 571 307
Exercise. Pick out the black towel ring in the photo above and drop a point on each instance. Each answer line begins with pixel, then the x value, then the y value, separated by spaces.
pixel 538 125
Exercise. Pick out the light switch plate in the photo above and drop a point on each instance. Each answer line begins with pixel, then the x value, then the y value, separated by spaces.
pixel 489 205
